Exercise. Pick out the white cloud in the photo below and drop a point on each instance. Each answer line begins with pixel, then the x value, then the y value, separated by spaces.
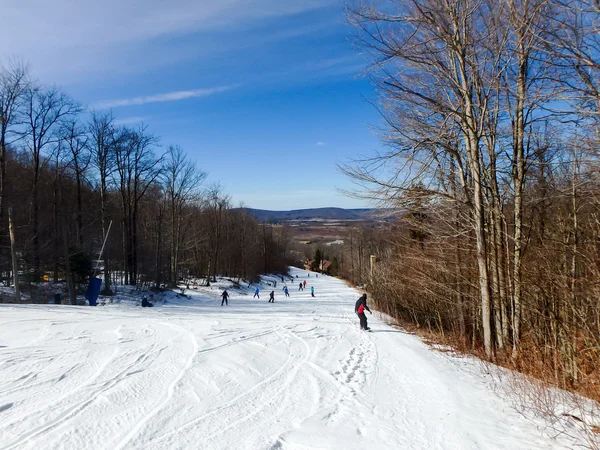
pixel 68 38
pixel 320 144
pixel 129 120
pixel 166 97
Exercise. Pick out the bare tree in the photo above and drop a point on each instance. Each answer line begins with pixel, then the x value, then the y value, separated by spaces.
pixel 76 140
pixel 45 108
pixel 182 179
pixel 103 141
pixel 14 80
pixel 137 167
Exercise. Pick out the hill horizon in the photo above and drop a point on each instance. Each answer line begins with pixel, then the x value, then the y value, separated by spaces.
pixel 323 213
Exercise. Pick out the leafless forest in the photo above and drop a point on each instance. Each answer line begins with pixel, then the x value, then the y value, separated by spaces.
pixel 491 112
pixel 68 175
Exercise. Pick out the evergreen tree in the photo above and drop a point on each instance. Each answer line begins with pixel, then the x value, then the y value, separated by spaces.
pixel 316 264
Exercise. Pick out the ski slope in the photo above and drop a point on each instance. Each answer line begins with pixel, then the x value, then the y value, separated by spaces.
pixel 295 374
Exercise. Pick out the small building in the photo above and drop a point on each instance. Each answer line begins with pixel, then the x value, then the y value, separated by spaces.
pixel 324 266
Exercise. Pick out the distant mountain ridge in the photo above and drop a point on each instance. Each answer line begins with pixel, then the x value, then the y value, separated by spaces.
pixel 322 214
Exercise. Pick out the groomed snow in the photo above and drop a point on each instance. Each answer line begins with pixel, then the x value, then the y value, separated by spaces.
pixel 190 374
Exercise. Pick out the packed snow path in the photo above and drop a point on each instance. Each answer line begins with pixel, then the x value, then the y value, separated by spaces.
pixel 296 374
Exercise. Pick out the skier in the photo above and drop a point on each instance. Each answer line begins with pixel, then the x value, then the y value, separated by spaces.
pixel 272 297
pixel 300 287
pixel 304 284
pixel 146 303
pixel 312 291
pixel 256 293
pixel 225 296
pixel 359 309
pixel 285 291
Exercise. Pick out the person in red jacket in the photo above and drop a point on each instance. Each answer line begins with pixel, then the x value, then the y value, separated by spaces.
pixel 359 309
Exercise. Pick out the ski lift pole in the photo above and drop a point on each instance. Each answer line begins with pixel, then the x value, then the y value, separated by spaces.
pixel 102 249
pixel 95 285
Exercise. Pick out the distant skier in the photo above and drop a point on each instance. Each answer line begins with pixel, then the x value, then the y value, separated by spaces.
pixel 285 291
pixel 146 303
pixel 300 288
pixel 256 293
pixel 304 284
pixel 359 309
pixel 272 297
pixel 312 291
pixel 225 296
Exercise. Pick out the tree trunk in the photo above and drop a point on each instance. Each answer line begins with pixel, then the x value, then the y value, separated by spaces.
pixel 107 278
pixel 37 263
pixel 79 208
pixel 13 247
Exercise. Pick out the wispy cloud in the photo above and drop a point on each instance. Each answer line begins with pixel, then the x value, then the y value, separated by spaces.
pixel 129 120
pixel 165 97
pixel 320 144
pixel 72 42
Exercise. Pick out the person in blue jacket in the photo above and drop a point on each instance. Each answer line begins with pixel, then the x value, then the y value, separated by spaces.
pixel 285 291
pixel 256 293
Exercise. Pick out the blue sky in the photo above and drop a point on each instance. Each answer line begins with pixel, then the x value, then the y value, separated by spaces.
pixel 263 94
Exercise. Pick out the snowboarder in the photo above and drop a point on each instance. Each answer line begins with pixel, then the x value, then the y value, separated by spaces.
pixel 359 309
pixel 256 293
pixel 225 296
pixel 272 297
pixel 304 284
pixel 146 303
pixel 285 291
pixel 312 291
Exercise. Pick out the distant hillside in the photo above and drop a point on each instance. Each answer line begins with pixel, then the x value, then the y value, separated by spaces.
pixel 321 214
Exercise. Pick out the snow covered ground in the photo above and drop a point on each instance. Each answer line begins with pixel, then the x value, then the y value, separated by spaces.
pixel 190 374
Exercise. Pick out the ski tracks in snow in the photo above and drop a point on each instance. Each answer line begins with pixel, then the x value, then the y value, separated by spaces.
pixel 296 374
pixel 170 389
pixel 269 400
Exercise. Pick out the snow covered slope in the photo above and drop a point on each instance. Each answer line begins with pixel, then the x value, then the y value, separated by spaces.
pixel 294 374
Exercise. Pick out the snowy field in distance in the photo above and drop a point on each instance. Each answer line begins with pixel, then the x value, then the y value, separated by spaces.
pixel 190 374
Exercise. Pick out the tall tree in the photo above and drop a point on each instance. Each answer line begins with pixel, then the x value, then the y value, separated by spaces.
pixel 76 140
pixel 104 140
pixel 137 167
pixel 14 80
pixel 182 179
pixel 45 108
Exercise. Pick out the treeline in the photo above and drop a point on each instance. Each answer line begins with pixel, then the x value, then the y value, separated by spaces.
pixel 491 115
pixel 352 259
pixel 72 178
